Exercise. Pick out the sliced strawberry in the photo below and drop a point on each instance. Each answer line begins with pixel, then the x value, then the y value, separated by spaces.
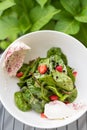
pixel 43 115
pixel 53 97
pixel 19 74
pixel 59 68
pixel 75 73
pixel 66 102
pixel 42 69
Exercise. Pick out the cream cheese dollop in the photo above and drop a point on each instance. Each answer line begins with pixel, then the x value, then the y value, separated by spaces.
pixel 14 57
pixel 57 110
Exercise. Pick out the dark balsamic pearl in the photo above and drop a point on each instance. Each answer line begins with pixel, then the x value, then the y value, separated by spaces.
pixel 64 71
pixel 56 77
pixel 57 64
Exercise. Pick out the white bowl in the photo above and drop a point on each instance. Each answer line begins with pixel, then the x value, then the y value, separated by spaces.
pixel 40 42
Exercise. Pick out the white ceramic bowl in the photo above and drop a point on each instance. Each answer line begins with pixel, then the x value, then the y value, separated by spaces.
pixel 40 42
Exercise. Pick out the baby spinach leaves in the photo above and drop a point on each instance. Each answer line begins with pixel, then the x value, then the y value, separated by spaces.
pixel 20 102
pixel 63 81
pixel 36 88
pixel 57 51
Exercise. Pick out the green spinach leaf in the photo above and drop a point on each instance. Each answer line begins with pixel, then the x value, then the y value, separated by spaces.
pixel 72 6
pixel 8 26
pixel 6 4
pixel 70 74
pixel 44 16
pixel 68 25
pixel 56 53
pixel 63 81
pixel 82 16
pixel 41 2
pixel 20 102
pixel 72 96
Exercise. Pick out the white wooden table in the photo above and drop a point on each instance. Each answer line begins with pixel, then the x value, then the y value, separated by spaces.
pixel 7 122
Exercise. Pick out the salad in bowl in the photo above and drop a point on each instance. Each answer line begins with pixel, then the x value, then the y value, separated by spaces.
pixel 43 79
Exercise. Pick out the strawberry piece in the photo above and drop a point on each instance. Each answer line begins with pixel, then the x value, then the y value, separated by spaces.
pixel 42 69
pixel 19 74
pixel 75 73
pixel 53 97
pixel 43 115
pixel 59 68
pixel 66 102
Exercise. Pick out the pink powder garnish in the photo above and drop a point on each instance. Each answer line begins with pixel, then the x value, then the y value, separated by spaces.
pixel 9 52
pixel 59 110
pixel 9 70
pixel 77 106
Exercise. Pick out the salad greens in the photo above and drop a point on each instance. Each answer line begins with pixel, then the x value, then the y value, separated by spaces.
pixel 66 16
pixel 44 77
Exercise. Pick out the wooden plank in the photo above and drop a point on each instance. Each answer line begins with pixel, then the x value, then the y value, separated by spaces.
pixel 72 126
pixel 8 121
pixel 82 122
pixel 26 127
pixel 17 125
pixel 62 128
pixel 2 113
pixel 40 129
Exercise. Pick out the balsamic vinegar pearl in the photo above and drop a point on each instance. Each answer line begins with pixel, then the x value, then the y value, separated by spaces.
pixel 63 70
pixel 56 77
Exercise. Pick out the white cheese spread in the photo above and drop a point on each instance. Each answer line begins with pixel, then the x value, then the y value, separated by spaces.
pixel 14 57
pixel 57 110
